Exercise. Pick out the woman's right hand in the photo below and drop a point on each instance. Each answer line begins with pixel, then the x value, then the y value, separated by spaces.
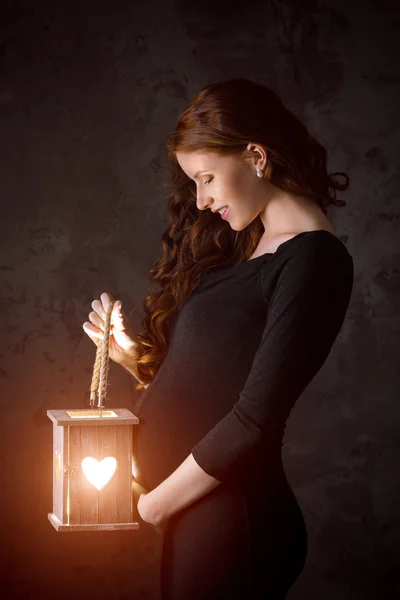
pixel 122 349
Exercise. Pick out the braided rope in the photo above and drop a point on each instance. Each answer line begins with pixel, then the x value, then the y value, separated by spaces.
pixel 101 364
pixel 96 374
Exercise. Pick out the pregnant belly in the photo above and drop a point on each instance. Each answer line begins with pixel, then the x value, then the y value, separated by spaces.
pixel 172 421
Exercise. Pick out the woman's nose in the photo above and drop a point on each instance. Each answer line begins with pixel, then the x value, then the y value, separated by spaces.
pixel 202 202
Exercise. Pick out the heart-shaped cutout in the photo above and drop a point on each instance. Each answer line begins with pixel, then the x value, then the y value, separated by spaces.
pixel 99 472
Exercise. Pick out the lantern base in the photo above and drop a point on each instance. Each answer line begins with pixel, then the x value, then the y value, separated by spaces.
pixel 55 521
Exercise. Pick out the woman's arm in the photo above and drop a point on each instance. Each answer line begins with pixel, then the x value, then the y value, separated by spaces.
pixel 130 366
pixel 184 486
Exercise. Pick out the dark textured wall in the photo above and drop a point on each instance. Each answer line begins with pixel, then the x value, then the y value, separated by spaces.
pixel 88 92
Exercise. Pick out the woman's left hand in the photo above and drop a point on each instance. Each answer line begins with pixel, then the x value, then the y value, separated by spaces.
pixel 145 510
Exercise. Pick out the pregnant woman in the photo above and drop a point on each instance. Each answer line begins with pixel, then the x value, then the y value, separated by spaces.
pixel 253 288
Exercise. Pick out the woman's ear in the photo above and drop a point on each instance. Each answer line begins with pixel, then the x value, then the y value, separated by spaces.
pixel 259 155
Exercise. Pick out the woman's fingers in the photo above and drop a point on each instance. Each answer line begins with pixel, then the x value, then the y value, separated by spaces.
pixel 95 319
pixel 101 306
pixel 97 305
pixel 117 316
pixel 106 300
pixel 161 528
pixel 93 332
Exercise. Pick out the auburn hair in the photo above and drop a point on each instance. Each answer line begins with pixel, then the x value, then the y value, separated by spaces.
pixel 223 118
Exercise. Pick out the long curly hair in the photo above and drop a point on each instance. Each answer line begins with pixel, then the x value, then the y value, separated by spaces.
pixel 223 118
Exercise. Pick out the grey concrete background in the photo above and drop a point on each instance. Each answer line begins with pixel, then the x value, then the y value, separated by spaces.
pixel 88 92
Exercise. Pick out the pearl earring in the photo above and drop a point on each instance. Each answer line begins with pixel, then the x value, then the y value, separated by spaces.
pixel 260 173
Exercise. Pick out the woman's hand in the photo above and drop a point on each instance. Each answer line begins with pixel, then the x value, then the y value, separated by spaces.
pixel 122 345
pixel 142 497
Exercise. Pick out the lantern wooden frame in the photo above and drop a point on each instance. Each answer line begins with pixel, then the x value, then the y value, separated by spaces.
pixel 77 504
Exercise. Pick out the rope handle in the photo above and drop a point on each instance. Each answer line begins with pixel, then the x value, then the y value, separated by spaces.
pixel 101 364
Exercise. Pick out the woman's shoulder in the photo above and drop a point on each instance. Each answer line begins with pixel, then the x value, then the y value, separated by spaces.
pixel 320 243
pixel 309 258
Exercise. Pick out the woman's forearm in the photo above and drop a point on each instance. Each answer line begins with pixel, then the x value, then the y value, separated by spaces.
pixel 184 486
pixel 131 369
pixel 130 366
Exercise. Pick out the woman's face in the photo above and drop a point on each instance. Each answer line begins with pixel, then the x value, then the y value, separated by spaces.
pixel 225 181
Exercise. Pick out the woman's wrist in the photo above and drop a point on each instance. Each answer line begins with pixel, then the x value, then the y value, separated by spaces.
pixel 185 485
pixel 130 364
pixel 150 509
pixel 130 367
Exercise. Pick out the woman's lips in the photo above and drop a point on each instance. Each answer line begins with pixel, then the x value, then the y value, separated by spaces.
pixel 226 213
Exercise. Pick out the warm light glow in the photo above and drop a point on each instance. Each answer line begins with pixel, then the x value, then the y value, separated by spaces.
pixel 135 471
pixel 57 465
pixel 97 472
pixel 90 414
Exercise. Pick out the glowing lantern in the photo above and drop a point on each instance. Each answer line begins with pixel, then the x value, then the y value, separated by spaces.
pixel 93 460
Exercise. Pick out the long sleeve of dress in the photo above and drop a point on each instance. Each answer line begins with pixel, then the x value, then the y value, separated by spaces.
pixel 304 314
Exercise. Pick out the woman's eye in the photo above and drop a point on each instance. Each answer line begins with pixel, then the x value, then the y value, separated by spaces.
pixel 208 181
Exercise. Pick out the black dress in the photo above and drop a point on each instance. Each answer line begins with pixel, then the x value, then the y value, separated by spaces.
pixel 244 346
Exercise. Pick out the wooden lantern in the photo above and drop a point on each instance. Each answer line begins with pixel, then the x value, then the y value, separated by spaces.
pixel 92 459
pixel 92 469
